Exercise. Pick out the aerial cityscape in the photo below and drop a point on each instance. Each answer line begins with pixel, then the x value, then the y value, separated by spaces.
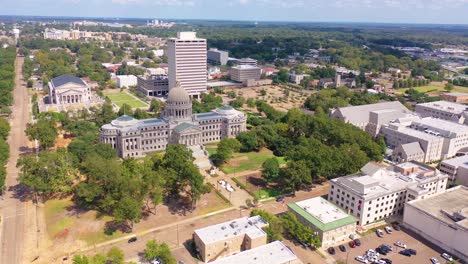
pixel 237 132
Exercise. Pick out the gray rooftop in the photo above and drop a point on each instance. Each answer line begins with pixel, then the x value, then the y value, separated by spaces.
pixel 446 106
pixel 64 79
pixel 273 253
pixel 461 161
pixel 360 113
pixel 450 207
pixel 251 226
pixel 412 148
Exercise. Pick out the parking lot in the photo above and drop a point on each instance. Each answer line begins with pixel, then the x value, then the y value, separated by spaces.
pixel 372 241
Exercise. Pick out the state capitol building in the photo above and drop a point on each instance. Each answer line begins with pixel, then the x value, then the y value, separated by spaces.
pixel 177 125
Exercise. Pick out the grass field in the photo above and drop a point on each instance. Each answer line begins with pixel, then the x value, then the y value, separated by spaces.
pixel 124 98
pixel 247 161
pixel 432 88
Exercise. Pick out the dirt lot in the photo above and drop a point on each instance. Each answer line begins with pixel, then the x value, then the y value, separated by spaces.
pixel 372 241
pixel 276 96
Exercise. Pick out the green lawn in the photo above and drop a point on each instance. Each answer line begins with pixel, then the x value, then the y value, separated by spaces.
pixel 248 161
pixel 423 89
pixel 124 98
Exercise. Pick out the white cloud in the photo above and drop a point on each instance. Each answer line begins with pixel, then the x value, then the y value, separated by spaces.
pixel 157 2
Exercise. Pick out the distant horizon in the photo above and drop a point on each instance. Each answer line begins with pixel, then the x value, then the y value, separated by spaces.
pixel 443 12
pixel 144 19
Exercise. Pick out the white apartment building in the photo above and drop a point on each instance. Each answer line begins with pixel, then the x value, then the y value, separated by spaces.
pixel 380 191
pixel 187 63
pixel 370 118
pixel 456 169
pixel 440 139
pixel 126 81
pixel 444 110
pixel 443 220
pixel 243 73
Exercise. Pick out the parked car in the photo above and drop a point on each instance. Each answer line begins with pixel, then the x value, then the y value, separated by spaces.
pixel 435 261
pixel 223 183
pixel 390 248
pixel 400 244
pixel 388 230
pixel 280 198
pixel 412 251
pixel 380 262
pixel 447 256
pixel 357 242
pixel 331 250
pixel 396 226
pixel 405 253
pixel 361 259
pixel 388 261
pixel 379 232
pixel 342 248
pixel 133 239
pixel 352 244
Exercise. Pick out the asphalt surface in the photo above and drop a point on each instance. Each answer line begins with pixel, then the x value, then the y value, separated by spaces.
pixel 12 209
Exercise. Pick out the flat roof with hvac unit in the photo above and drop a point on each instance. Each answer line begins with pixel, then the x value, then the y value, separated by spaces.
pixel 321 213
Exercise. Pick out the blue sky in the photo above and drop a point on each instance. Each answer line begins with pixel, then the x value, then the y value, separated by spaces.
pixel 391 11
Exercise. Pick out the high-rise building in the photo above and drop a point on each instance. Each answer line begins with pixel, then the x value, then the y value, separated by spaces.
pixel 187 63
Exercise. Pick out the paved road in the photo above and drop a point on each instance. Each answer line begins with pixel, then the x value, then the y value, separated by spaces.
pixel 11 208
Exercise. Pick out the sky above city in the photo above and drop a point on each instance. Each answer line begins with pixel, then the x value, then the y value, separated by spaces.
pixel 389 11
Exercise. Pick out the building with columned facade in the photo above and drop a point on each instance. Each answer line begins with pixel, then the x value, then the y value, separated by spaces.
pixel 177 125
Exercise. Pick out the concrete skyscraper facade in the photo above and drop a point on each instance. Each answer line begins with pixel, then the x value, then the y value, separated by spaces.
pixel 187 58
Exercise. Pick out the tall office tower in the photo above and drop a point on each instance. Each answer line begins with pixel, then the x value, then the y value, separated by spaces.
pixel 187 63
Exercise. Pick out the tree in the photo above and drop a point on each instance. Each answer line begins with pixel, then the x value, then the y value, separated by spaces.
pixel 271 169
pixel 295 174
pixel 155 105
pixel 80 259
pixel 449 86
pixel 275 229
pixel 226 147
pixel 249 141
pixel 161 252
pixel 116 255
pixel 125 109
pixel 44 131
pixel 4 128
pixel 127 210
pixel 49 173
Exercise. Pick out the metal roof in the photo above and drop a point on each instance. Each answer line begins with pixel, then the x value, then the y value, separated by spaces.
pixel 64 79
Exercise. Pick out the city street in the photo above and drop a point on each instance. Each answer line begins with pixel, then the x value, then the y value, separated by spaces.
pixel 12 209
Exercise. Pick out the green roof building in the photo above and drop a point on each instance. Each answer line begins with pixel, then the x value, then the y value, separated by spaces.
pixel 331 224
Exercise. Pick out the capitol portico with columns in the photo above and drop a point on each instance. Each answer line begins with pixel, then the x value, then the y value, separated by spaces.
pixel 177 125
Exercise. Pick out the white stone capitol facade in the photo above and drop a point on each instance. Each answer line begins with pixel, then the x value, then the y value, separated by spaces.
pixel 177 125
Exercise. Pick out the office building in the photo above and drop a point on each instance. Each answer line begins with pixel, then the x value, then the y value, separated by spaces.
pixel 126 81
pixel 274 253
pixel 444 110
pixel 370 118
pixel 461 98
pixel 247 61
pixel 440 139
pixel 177 125
pixel 297 78
pixel 332 224
pixel 153 84
pixel 230 238
pixel 456 169
pixel 442 219
pixel 380 191
pixel 217 56
pixel 187 60
pixel 243 73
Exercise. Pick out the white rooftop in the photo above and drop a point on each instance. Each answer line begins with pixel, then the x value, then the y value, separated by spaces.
pixel 322 210
pixel 451 107
pixel 442 125
pixel 245 67
pixel 251 226
pixel 389 179
pixel 461 161
pixel 273 253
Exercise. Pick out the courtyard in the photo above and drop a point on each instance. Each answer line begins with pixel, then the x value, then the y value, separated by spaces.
pixel 122 97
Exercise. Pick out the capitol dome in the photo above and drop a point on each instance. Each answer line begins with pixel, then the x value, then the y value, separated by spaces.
pixel 178 95
pixel 124 121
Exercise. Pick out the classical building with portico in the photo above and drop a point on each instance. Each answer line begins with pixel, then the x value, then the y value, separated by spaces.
pixel 177 125
pixel 68 92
